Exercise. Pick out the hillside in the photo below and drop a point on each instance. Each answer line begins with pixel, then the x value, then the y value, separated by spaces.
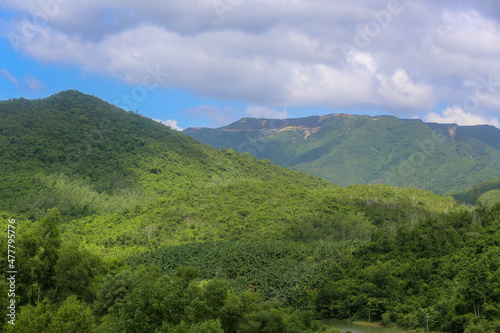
pixel 348 149
pixel 484 133
pixel 120 224
pixel 474 193
pixel 125 181
pixel 72 143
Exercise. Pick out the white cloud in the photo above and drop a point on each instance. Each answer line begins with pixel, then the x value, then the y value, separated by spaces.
pixel 456 115
pixel 279 52
pixel 170 123
pixel 33 83
pixel 263 112
pixel 30 81
pixel 8 75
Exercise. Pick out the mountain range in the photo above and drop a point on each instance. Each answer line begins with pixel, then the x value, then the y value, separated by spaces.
pixel 353 149
pixel 121 224
pixel 123 179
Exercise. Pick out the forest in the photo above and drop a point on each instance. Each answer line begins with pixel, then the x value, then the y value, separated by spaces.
pixel 351 149
pixel 124 225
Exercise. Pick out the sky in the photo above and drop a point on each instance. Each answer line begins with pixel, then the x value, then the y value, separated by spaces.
pixel 195 63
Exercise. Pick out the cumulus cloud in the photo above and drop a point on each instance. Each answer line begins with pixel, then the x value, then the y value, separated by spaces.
pixel 279 52
pixel 456 115
pixel 263 112
pixel 170 123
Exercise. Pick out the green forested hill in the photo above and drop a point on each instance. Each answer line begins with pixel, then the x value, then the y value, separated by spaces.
pixel 107 152
pixel 120 224
pixel 347 149
pixel 472 194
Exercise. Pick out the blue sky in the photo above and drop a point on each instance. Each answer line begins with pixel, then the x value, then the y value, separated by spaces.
pixel 208 63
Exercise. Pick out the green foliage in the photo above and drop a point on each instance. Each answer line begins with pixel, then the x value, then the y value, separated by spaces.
pixel 38 252
pixel 209 326
pixel 483 327
pixel 71 316
pixel 75 272
pixel 76 198
pixel 83 155
pixel 423 272
pixel 286 272
pixel 185 303
pixel 123 225
pixel 490 198
pixel 348 149
pixel 471 195
pixel 251 211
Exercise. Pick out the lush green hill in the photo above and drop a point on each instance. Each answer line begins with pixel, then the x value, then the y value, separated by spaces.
pixel 470 195
pixel 72 144
pixel 124 182
pixel 255 211
pixel 347 149
pixel 118 224
pixel 490 198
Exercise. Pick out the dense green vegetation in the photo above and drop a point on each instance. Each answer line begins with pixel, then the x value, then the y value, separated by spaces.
pixel 101 148
pixel 484 133
pixel 471 195
pixel 490 198
pixel 258 211
pixel 150 231
pixel 403 277
pixel 408 153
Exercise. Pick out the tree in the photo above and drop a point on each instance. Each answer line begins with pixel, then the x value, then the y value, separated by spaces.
pixel 73 316
pixel 75 271
pixel 39 245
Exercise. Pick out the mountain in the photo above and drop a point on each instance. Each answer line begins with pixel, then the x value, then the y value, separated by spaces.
pixel 108 151
pixel 487 134
pixel 117 223
pixel 123 181
pixel 352 149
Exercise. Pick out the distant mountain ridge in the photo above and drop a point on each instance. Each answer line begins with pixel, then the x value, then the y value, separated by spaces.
pixel 348 149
